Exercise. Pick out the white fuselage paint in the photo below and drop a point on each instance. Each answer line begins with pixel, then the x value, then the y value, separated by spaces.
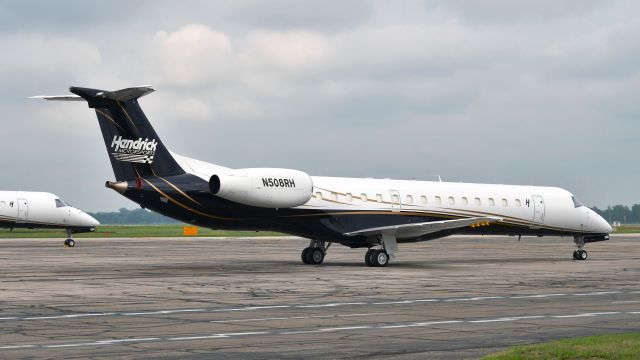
pixel 530 206
pixel 39 209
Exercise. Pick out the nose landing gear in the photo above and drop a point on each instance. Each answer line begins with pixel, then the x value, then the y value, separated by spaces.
pixel 69 242
pixel 579 254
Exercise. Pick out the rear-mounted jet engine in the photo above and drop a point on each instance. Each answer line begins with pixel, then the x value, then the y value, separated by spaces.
pixel 263 187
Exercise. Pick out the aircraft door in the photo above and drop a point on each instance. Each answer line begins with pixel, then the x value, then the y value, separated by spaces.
pixel 538 209
pixel 23 211
pixel 395 200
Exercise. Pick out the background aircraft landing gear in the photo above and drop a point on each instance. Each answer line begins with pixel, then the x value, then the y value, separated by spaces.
pixel 579 254
pixel 69 242
pixel 315 253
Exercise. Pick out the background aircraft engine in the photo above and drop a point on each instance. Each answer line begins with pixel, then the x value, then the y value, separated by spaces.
pixel 263 187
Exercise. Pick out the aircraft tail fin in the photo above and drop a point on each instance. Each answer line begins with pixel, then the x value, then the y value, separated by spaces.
pixel 134 148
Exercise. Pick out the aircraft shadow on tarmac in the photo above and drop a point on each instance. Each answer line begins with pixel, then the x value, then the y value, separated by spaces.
pixel 200 268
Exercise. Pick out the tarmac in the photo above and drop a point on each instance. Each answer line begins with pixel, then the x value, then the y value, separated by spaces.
pixel 238 298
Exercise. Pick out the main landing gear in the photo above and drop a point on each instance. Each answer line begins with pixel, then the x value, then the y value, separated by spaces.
pixel 381 257
pixel 69 242
pixel 579 254
pixel 314 254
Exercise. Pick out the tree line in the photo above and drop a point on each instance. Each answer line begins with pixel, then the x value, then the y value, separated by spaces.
pixel 622 213
pixel 132 217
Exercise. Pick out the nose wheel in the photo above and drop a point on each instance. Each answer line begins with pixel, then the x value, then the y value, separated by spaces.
pixel 580 255
pixel 69 242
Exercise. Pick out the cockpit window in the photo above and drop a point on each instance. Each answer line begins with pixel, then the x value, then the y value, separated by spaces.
pixel 576 202
pixel 60 203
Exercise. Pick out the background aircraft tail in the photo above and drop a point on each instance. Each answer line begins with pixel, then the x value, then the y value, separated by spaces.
pixel 134 148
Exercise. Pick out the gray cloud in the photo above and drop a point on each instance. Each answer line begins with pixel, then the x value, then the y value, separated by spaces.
pixel 507 92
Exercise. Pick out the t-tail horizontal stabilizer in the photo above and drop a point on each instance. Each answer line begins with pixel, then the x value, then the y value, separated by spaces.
pixel 134 148
pixel 127 94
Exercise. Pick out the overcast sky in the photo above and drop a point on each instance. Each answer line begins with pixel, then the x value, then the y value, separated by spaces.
pixel 498 91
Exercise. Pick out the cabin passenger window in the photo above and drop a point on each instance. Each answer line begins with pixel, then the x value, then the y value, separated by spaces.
pixel 319 195
pixel 518 203
pixel 465 201
pixel 478 202
pixel 334 196
pixel 395 199
pixel 492 202
pixel 423 199
pixel 363 197
pixel 438 200
pixel 60 203
pixel 505 203
pixel 409 199
pixel 349 197
pixel 452 201
pixel 379 198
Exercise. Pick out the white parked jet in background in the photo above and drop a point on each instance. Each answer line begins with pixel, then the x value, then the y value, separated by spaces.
pixel 27 209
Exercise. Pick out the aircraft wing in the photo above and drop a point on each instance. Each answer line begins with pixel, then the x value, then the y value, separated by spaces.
pixel 419 229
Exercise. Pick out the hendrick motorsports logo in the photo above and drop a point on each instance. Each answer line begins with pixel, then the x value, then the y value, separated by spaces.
pixel 138 151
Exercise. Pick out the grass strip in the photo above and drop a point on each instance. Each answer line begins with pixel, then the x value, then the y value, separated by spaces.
pixel 616 346
pixel 132 231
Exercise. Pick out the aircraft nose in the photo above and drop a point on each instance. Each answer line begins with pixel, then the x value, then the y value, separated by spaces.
pixel 602 225
pixel 86 220
pixel 91 220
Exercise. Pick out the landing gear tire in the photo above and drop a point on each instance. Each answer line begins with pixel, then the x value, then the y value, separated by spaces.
pixel 305 256
pixel 381 258
pixel 317 256
pixel 372 257
pixel 580 255
pixel 312 256
pixel 367 257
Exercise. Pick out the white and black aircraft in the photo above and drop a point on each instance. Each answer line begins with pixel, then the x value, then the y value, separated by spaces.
pixel 360 213
pixel 29 209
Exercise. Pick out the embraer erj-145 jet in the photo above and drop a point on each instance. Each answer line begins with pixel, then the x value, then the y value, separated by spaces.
pixel 360 213
pixel 28 209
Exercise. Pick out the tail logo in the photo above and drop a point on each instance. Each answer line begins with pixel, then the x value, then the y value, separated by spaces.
pixel 138 151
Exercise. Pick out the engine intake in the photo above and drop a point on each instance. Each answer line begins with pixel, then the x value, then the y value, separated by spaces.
pixel 263 187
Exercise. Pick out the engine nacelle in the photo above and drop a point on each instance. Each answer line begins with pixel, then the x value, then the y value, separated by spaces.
pixel 263 187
